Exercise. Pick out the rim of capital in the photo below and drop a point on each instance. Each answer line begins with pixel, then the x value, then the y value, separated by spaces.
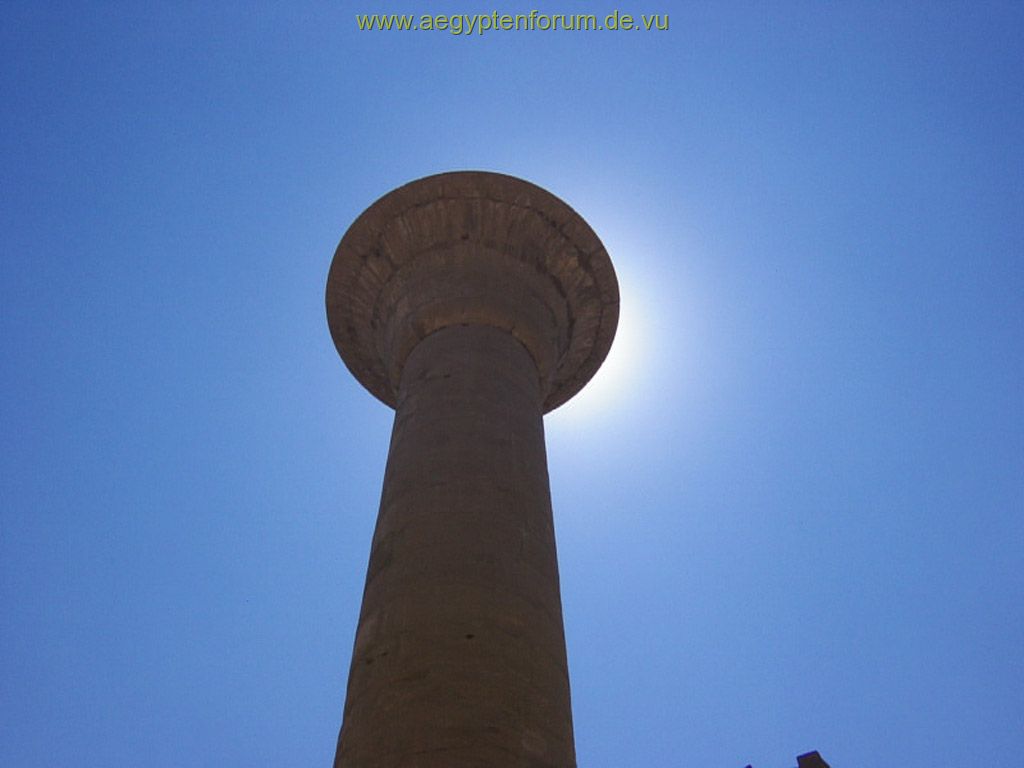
pixel 472 247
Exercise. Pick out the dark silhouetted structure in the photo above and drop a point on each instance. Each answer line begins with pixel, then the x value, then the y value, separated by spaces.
pixel 808 760
pixel 811 760
pixel 472 303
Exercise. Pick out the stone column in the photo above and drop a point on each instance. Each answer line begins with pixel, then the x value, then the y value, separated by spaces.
pixel 472 303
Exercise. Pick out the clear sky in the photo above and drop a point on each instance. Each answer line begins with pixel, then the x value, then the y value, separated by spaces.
pixel 789 511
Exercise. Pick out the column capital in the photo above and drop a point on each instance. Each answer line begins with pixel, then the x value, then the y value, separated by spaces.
pixel 472 247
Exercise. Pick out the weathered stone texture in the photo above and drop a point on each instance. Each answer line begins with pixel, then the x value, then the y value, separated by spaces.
pixel 460 651
pixel 480 248
pixel 472 303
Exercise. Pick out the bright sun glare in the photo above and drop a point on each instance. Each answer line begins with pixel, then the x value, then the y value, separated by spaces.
pixel 625 362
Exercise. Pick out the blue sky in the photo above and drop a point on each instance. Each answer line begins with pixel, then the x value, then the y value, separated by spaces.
pixel 789 509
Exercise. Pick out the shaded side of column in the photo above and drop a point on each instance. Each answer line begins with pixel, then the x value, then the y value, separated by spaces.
pixel 459 658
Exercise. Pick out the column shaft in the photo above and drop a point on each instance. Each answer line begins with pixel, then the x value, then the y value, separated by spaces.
pixel 459 659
